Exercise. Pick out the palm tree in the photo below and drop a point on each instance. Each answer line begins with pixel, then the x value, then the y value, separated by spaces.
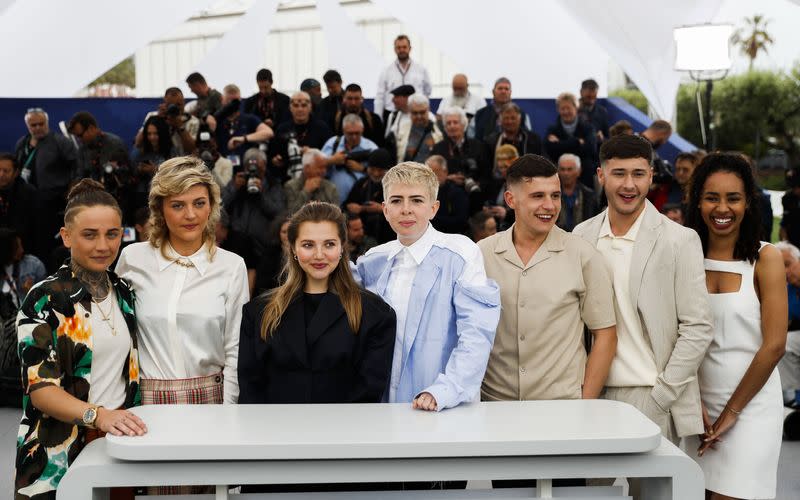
pixel 754 38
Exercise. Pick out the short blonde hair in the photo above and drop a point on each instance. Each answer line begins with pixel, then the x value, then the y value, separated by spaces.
pixel 566 97
pixel 174 177
pixel 411 173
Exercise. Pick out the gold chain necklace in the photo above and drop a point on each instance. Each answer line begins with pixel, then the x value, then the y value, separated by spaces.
pixel 108 318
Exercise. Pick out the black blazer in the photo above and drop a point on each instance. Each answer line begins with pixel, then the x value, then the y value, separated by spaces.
pixel 336 366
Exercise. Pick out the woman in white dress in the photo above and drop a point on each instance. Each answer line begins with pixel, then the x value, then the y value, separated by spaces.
pixel 739 386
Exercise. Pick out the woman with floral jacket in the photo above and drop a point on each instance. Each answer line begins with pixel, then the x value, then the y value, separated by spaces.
pixel 77 346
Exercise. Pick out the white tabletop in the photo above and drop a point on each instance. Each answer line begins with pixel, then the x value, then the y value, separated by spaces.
pixel 359 431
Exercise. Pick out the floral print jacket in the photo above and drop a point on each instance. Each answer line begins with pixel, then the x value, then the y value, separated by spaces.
pixel 55 349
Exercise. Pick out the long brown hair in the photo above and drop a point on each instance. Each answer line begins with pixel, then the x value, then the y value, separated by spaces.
pixel 293 277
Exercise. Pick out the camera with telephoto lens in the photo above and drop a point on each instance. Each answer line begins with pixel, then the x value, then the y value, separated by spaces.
pixel 205 149
pixel 252 176
pixel 294 156
pixel 662 171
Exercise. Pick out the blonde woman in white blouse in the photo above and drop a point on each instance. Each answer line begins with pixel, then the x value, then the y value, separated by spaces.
pixel 189 293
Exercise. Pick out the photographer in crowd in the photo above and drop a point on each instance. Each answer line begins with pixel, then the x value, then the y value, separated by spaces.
pixel 48 161
pixel 253 199
pixel 209 100
pixel 183 127
pixel 311 185
pixel 466 159
pixel 96 146
pixel 268 104
pixel 221 167
pixel 347 155
pixel 294 137
pixel 353 103
pixel 366 197
pixel 235 131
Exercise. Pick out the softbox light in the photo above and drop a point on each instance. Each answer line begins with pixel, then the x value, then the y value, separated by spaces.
pixel 703 47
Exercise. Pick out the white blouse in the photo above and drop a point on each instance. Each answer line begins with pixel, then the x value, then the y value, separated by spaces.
pixel 188 317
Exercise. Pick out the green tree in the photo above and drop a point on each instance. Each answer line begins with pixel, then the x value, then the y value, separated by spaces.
pixel 753 112
pixel 633 96
pixel 753 38
pixel 123 73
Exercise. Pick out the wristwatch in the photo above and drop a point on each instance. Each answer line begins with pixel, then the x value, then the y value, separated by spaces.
pixel 90 416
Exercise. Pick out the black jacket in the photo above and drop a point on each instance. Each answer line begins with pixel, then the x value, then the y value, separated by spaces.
pixel 586 207
pixel 571 144
pixel 279 112
pixel 19 210
pixel 526 142
pixel 318 359
pixel 469 159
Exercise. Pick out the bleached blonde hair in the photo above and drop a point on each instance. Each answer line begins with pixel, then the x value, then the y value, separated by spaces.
pixel 411 173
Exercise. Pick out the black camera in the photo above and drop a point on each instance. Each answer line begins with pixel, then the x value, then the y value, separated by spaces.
pixel 252 176
pixel 662 171
pixel 294 156
pixel 358 156
pixel 173 110
pixel 227 110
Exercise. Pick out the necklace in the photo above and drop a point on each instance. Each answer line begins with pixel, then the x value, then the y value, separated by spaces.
pixel 108 318
pixel 184 262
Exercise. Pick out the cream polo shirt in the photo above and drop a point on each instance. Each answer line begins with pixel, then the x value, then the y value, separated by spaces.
pixel 538 352
pixel 634 364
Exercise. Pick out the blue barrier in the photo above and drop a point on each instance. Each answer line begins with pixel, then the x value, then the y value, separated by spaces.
pixel 124 116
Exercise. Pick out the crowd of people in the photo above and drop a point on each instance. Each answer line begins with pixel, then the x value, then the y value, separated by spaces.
pixel 301 249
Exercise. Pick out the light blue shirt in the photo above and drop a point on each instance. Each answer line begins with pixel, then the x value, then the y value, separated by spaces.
pixel 450 321
pixel 340 175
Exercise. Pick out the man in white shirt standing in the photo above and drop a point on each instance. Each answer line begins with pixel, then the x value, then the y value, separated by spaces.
pixel 461 98
pixel 402 71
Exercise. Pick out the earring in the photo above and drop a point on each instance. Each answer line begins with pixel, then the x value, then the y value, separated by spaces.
pixel 295 256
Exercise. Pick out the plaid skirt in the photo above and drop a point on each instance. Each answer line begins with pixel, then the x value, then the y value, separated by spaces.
pixel 187 391
pixel 191 391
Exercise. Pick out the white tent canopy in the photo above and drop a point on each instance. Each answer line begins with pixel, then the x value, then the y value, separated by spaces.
pixel 55 48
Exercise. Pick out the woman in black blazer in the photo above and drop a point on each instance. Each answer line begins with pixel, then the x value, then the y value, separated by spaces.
pixel 319 337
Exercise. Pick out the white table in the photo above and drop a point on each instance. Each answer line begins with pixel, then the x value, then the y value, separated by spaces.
pixel 283 444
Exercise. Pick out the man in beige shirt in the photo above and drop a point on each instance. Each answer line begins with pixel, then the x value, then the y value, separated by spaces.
pixel 663 315
pixel 552 283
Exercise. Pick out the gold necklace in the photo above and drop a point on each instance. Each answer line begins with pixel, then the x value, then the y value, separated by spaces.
pixel 108 318
pixel 184 262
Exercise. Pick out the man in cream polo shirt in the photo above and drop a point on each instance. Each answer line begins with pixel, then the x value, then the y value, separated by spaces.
pixel 552 283
pixel 663 315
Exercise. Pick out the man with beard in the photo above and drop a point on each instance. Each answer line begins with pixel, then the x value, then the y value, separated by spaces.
pixel 591 111
pixel 353 103
pixel 403 71
pixel 461 98
pixel 295 136
pixel 268 104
